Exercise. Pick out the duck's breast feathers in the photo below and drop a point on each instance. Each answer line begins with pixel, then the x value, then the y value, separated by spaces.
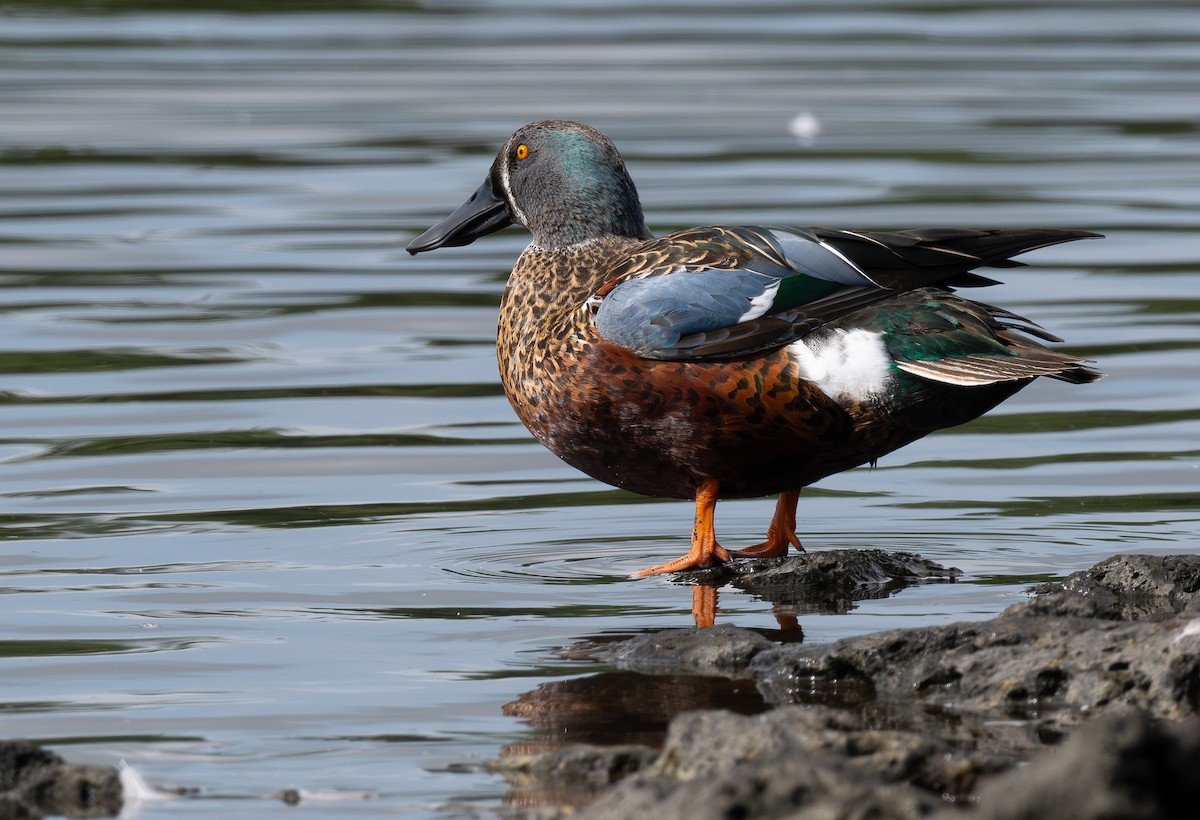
pixel 717 292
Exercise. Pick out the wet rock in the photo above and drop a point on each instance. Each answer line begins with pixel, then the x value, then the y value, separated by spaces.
pixel 722 650
pixel 789 762
pixel 789 787
pixel 1028 662
pixel 1125 765
pixel 828 581
pixel 591 764
pixel 705 745
pixel 571 775
pixel 1017 667
pixel 901 723
pixel 35 782
pixel 18 758
pixel 1124 587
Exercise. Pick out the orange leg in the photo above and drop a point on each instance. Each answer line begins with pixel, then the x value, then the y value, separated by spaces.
pixel 787 621
pixel 704 606
pixel 781 533
pixel 705 550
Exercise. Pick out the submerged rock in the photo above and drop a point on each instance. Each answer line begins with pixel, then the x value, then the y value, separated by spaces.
pixel 902 723
pixel 35 782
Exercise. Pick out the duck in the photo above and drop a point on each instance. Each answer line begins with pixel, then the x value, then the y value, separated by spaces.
pixel 735 361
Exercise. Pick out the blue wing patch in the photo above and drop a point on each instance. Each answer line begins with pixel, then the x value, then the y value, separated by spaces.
pixel 654 313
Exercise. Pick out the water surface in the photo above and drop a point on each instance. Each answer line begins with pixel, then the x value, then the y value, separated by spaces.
pixel 267 518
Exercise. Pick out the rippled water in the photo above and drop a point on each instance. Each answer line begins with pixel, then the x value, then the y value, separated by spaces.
pixel 267 518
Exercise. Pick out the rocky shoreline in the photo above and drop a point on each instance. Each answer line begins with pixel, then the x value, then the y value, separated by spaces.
pixel 1083 702
pixel 1080 703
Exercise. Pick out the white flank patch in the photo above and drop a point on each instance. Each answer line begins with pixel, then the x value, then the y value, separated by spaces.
pixel 844 364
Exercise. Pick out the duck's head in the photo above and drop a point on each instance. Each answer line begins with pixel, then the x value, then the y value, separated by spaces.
pixel 562 180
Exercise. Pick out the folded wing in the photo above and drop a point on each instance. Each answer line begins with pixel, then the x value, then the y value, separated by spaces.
pixel 723 292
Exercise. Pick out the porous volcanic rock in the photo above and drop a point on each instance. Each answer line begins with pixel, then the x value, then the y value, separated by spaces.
pixel 960 720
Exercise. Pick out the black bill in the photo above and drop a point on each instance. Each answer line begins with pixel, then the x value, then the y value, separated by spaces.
pixel 482 214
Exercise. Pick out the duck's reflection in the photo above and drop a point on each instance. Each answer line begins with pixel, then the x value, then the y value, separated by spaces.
pixel 608 709
pixel 616 708
pixel 705 606
pixel 619 707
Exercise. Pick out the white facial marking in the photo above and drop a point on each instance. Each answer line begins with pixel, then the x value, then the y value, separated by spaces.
pixel 506 183
pixel 844 364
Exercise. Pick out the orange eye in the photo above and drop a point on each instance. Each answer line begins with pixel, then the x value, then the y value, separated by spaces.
pixel 522 151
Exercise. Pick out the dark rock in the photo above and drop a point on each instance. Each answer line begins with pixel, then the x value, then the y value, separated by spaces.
pixel 75 791
pixel 1013 666
pixel 828 581
pixel 722 650
pixel 601 765
pixel 37 782
pixel 1020 665
pixel 900 723
pixel 19 758
pixel 1124 587
pixel 11 808
pixel 701 745
pixel 787 787
pixel 795 762
pixel 570 775
pixel 1124 766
